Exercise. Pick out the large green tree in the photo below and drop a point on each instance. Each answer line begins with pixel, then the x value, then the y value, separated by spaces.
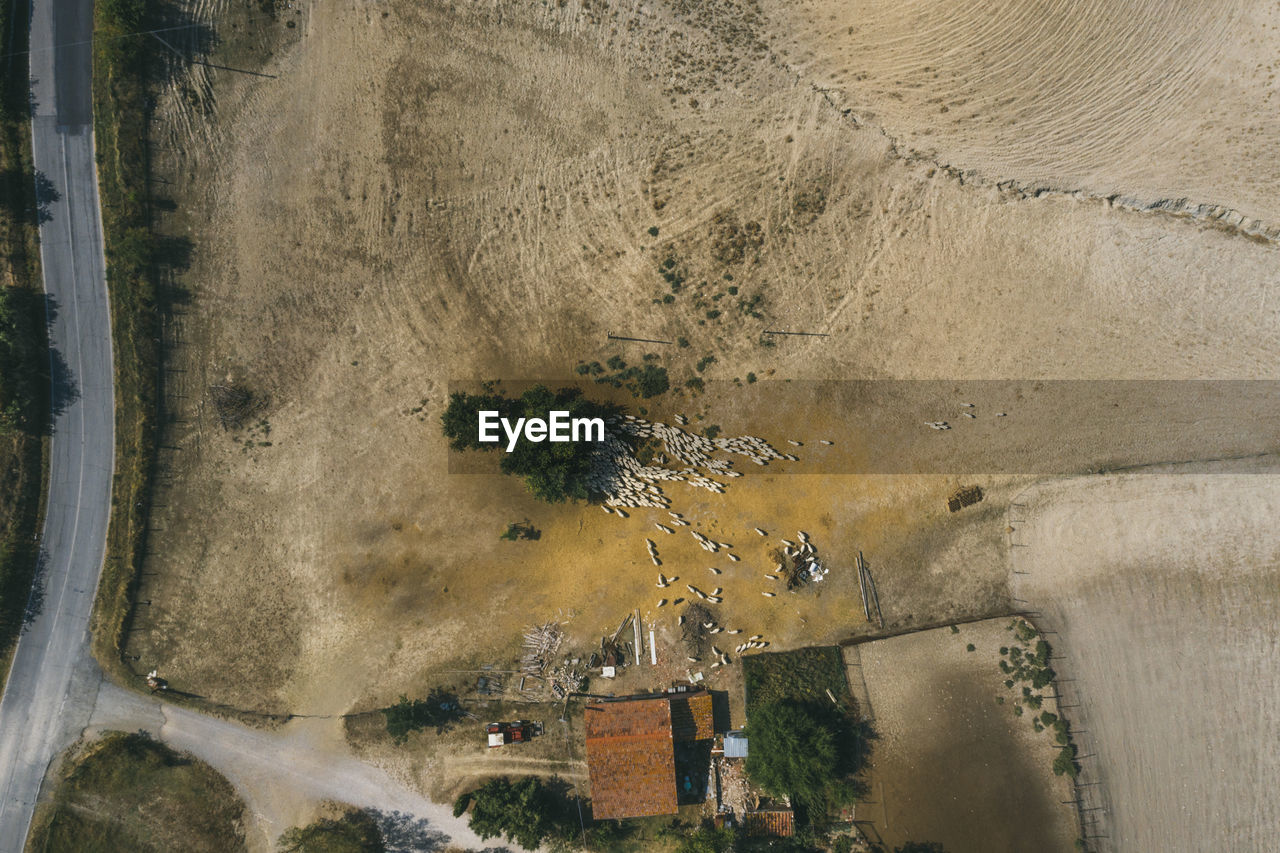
pixel 808 752
pixel 527 812
pixel 552 471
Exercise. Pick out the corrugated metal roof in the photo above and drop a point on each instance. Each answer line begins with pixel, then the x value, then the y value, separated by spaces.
pixel 631 758
pixel 735 745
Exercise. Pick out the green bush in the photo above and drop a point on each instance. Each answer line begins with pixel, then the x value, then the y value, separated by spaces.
pixel 1065 762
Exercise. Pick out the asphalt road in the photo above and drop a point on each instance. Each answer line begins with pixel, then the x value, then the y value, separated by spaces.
pixel 53 683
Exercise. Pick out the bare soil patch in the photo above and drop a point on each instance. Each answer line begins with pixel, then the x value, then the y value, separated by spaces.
pixel 951 765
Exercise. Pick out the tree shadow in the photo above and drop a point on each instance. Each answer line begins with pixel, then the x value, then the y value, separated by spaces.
pixel 27 195
pixel 406 833
pixel 46 194
pixel 62 387
pixel 183 40
pixel 61 382
pixel 40 385
pixel 39 581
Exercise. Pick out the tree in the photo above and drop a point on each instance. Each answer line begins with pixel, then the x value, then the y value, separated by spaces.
pixel 552 471
pixel 807 752
pixel 526 812
pixel 23 371
pixel 354 832
pixel 439 709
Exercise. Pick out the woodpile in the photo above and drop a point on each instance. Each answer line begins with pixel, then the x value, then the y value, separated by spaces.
pixel 541 642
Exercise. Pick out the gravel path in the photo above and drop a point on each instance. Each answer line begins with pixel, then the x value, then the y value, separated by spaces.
pixel 282 774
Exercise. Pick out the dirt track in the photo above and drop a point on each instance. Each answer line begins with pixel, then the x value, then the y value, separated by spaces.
pixel 1162 587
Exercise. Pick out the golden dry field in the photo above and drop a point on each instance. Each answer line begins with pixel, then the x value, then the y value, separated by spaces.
pixel 426 192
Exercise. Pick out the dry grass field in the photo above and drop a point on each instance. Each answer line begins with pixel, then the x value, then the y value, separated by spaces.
pixel 428 192
pixel 1141 99
pixel 1162 588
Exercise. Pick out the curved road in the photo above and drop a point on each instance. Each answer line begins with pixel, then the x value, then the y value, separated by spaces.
pixel 53 682
pixel 55 690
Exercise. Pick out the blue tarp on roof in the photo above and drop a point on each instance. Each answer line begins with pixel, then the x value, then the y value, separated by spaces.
pixel 735 745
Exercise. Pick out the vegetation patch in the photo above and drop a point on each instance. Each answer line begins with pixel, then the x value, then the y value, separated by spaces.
pixel 129 792
pixel 406 716
pixel 803 674
pixel 122 63
pixel 530 812
pixel 552 471
pixel 643 381
pixel 1026 663
pixel 357 831
pixel 808 751
pixel 24 357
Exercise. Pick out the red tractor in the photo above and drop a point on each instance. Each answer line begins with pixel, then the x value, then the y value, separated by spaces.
pixel 520 731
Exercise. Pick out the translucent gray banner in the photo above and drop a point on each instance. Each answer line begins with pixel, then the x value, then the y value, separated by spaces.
pixel 1040 427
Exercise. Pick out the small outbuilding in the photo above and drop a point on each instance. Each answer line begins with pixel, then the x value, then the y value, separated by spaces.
pixel 735 744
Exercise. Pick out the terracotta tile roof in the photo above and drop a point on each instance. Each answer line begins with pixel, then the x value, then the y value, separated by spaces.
pixel 777 822
pixel 691 717
pixel 631 758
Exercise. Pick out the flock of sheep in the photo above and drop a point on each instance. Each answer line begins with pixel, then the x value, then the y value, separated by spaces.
pixel 625 482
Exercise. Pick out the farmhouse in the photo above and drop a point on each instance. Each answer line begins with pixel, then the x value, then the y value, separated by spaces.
pixel 638 751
